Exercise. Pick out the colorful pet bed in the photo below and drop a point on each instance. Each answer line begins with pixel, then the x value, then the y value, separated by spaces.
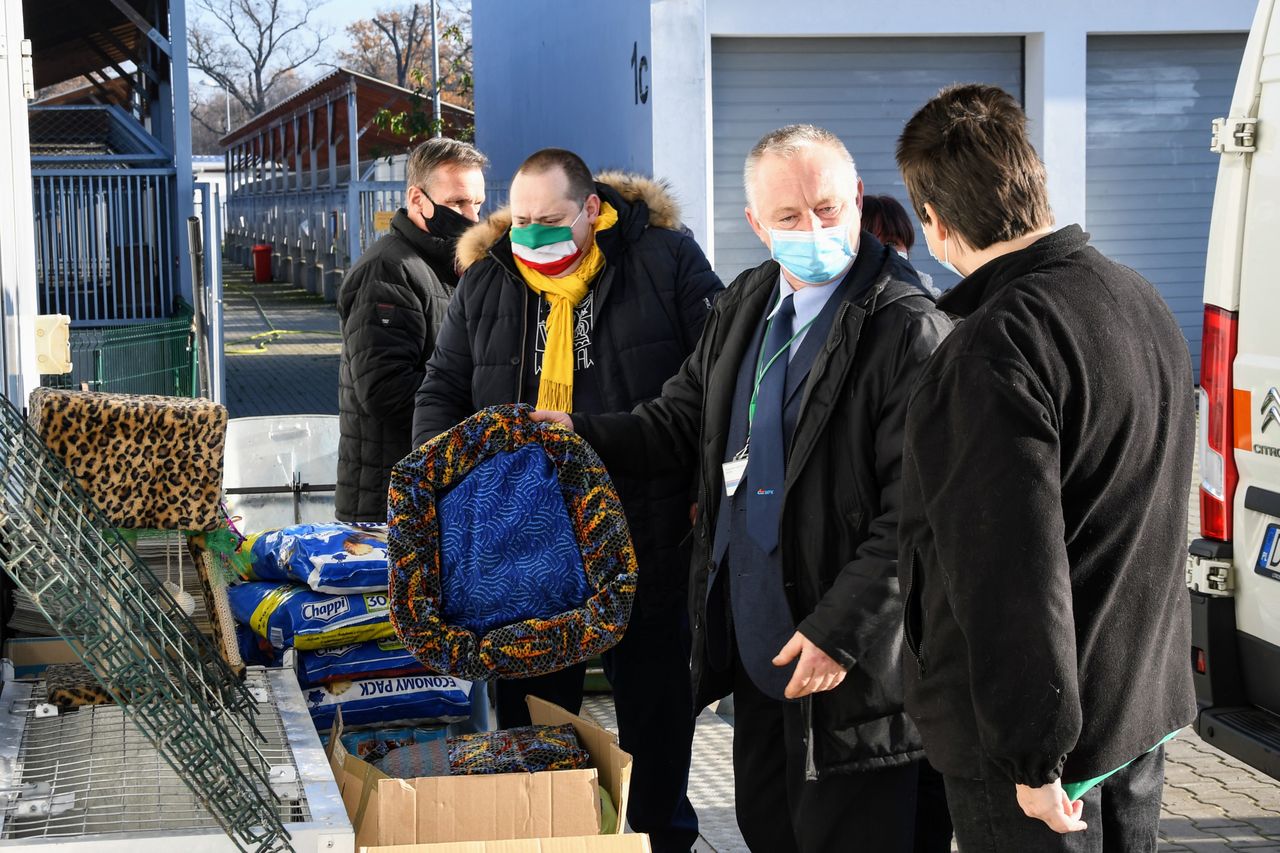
pixel 509 551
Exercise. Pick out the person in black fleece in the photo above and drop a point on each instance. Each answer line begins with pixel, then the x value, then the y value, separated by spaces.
pixel 1048 451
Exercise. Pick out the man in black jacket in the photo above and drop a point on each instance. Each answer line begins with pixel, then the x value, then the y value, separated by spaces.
pixel 1048 452
pixel 791 409
pixel 390 307
pixel 588 294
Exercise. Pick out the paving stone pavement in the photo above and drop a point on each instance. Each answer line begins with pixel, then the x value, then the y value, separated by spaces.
pixel 282 348
pixel 1212 803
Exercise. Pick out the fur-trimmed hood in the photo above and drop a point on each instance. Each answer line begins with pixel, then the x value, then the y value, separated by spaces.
pixel 664 212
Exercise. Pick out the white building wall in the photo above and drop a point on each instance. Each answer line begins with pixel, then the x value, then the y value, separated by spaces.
pixel 522 48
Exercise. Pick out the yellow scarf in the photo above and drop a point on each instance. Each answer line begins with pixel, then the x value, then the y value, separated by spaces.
pixel 555 389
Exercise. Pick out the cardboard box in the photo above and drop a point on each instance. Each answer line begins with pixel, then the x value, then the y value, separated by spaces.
pixel 31 655
pixel 509 806
pixel 580 844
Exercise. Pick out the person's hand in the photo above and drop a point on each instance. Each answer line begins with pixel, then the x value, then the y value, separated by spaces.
pixel 1051 804
pixel 546 416
pixel 817 671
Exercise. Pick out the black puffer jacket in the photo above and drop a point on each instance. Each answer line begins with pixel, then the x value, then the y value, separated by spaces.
pixel 390 306
pixel 840 507
pixel 650 304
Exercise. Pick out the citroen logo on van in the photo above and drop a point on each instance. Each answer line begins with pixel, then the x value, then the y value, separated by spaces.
pixel 1270 410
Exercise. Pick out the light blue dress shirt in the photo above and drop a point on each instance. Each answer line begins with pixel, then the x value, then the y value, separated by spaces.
pixel 809 302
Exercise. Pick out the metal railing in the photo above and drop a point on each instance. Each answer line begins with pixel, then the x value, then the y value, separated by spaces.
pixel 104 243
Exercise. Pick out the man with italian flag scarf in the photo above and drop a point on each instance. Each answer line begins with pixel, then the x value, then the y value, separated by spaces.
pixel 558 258
pixel 586 295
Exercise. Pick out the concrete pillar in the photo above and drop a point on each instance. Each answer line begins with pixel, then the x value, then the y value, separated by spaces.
pixel 1056 77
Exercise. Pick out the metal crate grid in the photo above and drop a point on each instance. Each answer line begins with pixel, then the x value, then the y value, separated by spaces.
pixel 126 627
pixel 118 782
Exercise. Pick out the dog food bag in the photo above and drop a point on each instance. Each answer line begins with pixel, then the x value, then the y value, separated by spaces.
pixel 375 659
pixel 408 699
pixel 292 616
pixel 334 558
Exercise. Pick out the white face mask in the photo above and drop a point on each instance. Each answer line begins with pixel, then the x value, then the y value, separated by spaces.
pixel 944 260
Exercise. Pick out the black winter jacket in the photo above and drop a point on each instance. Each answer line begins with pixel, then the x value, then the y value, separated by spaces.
pixel 650 303
pixel 840 506
pixel 390 306
pixel 1044 521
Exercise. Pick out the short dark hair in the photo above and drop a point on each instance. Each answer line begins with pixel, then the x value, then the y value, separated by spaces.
pixel 966 152
pixel 434 153
pixel 581 183
pixel 888 221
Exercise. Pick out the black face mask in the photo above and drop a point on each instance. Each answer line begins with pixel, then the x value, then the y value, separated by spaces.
pixel 446 223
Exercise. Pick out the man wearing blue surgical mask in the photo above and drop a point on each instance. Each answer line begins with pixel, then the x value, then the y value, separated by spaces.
pixel 791 409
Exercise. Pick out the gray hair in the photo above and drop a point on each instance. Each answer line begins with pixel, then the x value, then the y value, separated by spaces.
pixel 785 142
pixel 433 153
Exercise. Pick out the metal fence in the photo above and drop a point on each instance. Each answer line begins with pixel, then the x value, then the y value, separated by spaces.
pixel 104 243
pixel 145 358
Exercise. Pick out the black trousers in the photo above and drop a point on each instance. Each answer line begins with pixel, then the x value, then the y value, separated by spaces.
pixel 653 698
pixel 873 811
pixel 1123 814
pixel 933 818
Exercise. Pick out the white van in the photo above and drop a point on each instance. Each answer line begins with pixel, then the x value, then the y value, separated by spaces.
pixel 1234 567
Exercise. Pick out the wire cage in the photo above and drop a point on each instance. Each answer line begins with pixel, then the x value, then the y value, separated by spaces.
pixel 120 620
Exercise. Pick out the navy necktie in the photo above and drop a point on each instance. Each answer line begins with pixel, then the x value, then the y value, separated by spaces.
pixel 766 457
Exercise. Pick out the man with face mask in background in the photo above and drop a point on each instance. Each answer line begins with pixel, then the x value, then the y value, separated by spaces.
pixel 390 307
pixel 791 408
pixel 587 294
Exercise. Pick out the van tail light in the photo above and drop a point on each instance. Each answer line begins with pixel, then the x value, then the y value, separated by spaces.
pixel 1218 476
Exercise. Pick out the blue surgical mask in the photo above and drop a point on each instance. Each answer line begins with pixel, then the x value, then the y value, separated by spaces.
pixel 944 260
pixel 813 257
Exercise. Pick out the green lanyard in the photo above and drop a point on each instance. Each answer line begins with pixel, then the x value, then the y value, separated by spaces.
pixel 762 367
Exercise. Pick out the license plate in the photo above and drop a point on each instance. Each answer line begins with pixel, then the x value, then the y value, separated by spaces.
pixel 1269 557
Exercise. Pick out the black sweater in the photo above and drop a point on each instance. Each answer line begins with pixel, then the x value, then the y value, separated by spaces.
pixel 1043 535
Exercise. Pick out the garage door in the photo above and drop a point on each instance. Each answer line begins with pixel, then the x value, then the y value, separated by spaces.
pixel 1150 174
pixel 862 89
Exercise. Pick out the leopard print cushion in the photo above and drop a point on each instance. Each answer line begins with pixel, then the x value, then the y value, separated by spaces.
pixel 148 462
pixel 72 685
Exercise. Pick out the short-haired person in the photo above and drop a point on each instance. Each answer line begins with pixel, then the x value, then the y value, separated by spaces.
pixel 390 306
pixel 791 411
pixel 1043 532
pixel 587 294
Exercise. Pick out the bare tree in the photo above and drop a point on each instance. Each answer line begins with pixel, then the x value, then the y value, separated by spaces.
pixel 391 43
pixel 252 48
pixel 395 45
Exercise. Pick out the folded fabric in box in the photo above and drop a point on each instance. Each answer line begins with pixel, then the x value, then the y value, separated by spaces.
pixel 416 760
pixel 333 558
pixel 146 461
pixel 292 616
pixel 417 698
pixel 375 659
pixel 526 749
pixel 374 744
pixel 483 579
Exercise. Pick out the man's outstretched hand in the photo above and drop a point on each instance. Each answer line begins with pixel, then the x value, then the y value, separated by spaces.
pixel 1051 804
pixel 547 416
pixel 817 671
